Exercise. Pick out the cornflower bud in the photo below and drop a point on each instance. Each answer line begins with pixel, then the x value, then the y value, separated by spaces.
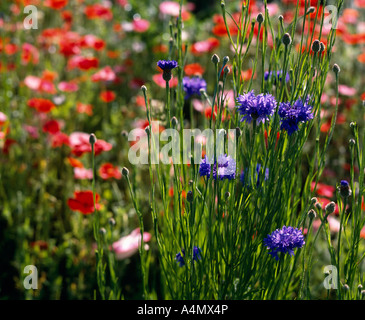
pixel 92 138
pixel 260 18
pixel 336 69
pixel 215 59
pixel 125 172
pixel 286 39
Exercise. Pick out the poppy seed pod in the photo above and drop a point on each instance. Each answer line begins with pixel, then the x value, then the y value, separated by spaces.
pixel 286 39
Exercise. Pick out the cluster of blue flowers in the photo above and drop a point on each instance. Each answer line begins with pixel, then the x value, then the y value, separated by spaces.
pixel 245 175
pixel 284 240
pixel 293 114
pixel 258 108
pixel 279 76
pixel 225 167
pixel 193 85
pixel 262 106
pixel 196 256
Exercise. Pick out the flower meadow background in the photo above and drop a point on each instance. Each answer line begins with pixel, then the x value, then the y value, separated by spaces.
pixel 261 225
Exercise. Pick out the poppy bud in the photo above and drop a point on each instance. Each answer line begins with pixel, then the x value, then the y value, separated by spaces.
pixel 314 200
pixel 102 231
pixel 124 133
pixel 330 208
pixel 311 10
pixel 144 88
pixel 225 60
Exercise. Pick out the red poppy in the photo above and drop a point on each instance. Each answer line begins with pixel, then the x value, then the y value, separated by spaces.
pixel 323 189
pixel 107 171
pixel 51 126
pixel 55 4
pixel 193 69
pixel 84 108
pixel 82 63
pixel 30 54
pixel 41 104
pixel 75 163
pixel 83 201
pixel 96 11
pixel 59 139
pixel 107 96
pixel 92 42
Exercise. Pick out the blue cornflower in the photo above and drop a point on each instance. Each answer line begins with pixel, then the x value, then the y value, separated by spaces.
pixel 196 256
pixel 292 115
pixel 167 66
pixel 345 190
pixel 258 169
pixel 284 240
pixel 193 85
pixel 279 74
pixel 226 167
pixel 258 108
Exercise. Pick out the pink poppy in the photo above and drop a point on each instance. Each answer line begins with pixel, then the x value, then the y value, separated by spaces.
pixel 170 8
pixel 3 118
pixel 83 173
pixel 346 91
pixel 157 78
pixel 140 25
pixel 40 85
pixel 68 86
pixel 32 131
pixel 105 74
pixel 128 245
